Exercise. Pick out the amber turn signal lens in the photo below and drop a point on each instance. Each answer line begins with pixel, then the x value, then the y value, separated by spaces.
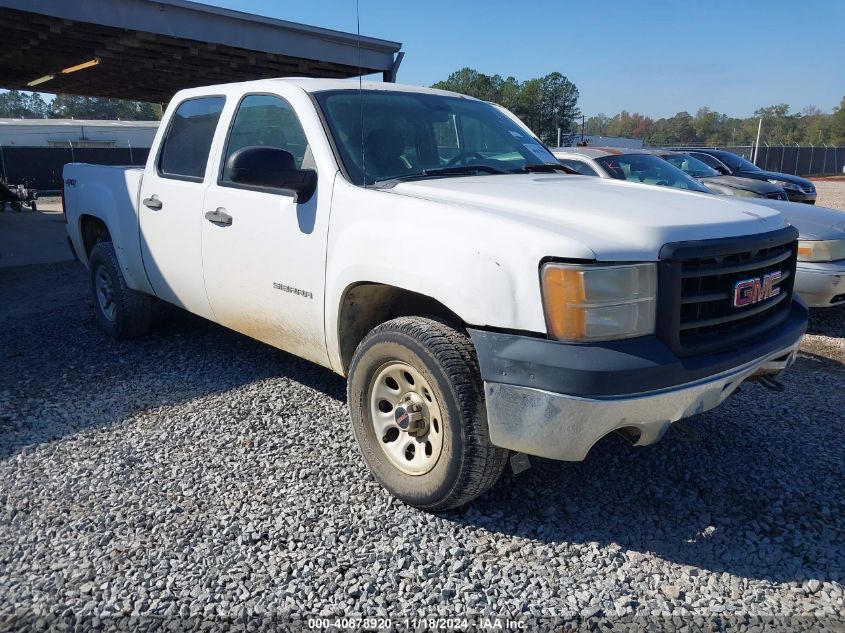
pixel 564 295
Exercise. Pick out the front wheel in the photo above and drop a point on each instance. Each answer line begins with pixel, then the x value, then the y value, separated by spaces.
pixel 121 312
pixel 418 414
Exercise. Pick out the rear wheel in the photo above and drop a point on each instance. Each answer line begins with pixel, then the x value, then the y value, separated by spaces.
pixel 418 414
pixel 121 312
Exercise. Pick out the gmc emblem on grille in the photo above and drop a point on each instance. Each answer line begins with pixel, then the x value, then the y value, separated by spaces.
pixel 749 291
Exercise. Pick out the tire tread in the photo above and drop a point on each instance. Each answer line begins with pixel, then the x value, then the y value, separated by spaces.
pixel 454 351
pixel 135 307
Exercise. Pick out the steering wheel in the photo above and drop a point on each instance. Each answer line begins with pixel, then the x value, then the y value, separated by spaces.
pixel 462 158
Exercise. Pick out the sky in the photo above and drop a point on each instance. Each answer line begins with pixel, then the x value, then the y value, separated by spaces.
pixel 653 57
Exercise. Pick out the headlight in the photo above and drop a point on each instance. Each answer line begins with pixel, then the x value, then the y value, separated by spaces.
pixel 821 250
pixel 599 303
pixel 785 185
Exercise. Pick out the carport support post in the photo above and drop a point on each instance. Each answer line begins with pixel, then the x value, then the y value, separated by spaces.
pixel 3 162
pixel 757 144
pixel 797 155
pixel 824 163
pixel 811 160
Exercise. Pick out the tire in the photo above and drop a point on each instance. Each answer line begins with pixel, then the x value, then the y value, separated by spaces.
pixel 33 206
pixel 446 384
pixel 122 313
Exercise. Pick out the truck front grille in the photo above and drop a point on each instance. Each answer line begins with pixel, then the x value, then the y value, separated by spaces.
pixel 697 284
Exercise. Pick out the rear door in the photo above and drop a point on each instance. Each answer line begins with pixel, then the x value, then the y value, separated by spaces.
pixel 265 265
pixel 171 206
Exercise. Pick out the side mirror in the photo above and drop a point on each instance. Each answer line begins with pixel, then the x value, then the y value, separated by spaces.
pixel 270 168
pixel 721 169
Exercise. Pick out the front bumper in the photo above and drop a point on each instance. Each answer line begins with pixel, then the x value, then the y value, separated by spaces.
pixel 798 196
pixel 559 401
pixel 821 285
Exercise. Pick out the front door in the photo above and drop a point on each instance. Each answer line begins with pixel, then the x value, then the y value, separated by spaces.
pixel 170 208
pixel 264 254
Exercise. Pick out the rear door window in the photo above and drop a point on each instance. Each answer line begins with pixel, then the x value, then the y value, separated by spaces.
pixel 708 160
pixel 184 150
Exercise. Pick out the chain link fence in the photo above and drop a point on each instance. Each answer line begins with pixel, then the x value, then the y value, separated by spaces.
pixel 798 160
pixel 41 167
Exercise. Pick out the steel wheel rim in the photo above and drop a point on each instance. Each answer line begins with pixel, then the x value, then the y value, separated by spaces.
pixel 104 291
pixel 397 386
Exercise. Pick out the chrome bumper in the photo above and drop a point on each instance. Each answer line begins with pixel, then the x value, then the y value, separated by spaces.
pixel 558 426
pixel 819 283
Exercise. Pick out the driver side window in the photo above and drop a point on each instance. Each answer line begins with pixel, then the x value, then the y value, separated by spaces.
pixel 267 120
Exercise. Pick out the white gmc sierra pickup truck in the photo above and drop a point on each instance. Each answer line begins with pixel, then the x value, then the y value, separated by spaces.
pixel 480 299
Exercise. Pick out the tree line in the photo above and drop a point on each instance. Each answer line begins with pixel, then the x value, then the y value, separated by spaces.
pixel 551 102
pixel 15 104
pixel 811 126
pixel 544 103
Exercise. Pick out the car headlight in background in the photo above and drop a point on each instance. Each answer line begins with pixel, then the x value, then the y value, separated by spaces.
pixel 785 185
pixel 821 250
pixel 599 303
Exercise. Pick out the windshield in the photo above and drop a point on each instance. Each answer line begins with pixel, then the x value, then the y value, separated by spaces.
pixel 736 163
pixel 382 135
pixel 690 166
pixel 650 170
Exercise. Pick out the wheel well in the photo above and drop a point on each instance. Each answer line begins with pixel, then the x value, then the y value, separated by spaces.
pixel 93 230
pixel 366 305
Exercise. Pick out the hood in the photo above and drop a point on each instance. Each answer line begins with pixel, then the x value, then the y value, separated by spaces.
pixel 785 177
pixel 617 220
pixel 813 222
pixel 760 187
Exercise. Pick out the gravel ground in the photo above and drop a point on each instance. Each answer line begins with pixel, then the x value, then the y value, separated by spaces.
pixel 194 477
pixel 830 193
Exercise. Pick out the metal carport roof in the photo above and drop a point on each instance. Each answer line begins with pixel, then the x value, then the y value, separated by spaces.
pixel 149 49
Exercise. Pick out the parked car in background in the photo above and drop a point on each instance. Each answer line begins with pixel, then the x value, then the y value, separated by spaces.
pixel 717 182
pixel 798 189
pixel 633 165
pixel 820 276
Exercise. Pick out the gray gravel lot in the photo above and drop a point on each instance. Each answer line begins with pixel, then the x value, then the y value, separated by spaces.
pixel 831 193
pixel 197 474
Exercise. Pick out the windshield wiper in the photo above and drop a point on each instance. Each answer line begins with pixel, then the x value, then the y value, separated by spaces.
pixel 456 170
pixel 543 168
pixel 462 169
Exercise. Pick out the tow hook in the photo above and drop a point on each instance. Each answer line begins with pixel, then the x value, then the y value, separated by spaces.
pixel 772 384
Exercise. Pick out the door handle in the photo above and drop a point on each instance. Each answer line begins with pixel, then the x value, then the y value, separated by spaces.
pixel 153 203
pixel 219 217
